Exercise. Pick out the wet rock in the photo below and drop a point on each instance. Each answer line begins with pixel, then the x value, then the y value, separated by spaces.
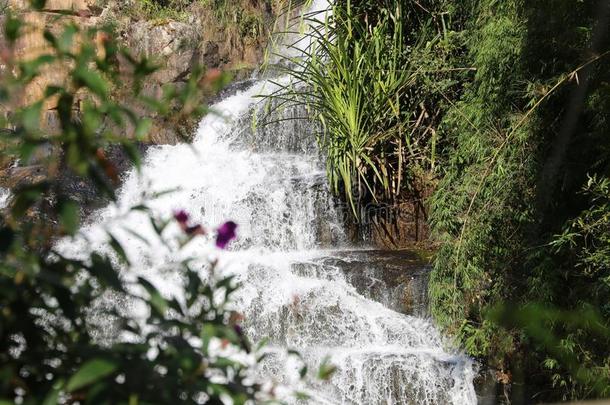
pixel 397 279
pixel 22 176
pixel 83 191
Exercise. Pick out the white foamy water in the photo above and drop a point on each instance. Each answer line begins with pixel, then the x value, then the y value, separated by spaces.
pixel 5 196
pixel 279 198
pixel 271 181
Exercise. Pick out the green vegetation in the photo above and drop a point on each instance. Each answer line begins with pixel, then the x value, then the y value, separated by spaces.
pixel 503 109
pixel 163 10
pixel 52 349
pixel 376 104
pixel 228 14
pixel 529 129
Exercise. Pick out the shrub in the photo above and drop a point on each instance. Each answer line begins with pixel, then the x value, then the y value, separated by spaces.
pixel 50 349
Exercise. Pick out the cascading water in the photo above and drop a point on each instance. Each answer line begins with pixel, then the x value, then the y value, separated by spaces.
pixel 297 272
pixel 5 196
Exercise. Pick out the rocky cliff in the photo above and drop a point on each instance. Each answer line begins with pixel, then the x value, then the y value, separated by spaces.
pixel 232 38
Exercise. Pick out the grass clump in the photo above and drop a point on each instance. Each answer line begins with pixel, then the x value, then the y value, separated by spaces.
pixel 375 103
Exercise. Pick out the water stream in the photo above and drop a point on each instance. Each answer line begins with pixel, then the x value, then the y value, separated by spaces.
pixel 300 276
pixel 304 286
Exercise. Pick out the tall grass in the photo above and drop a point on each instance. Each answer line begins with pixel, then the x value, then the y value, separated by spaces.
pixel 357 79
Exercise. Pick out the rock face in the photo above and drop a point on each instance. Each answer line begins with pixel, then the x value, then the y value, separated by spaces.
pixel 397 226
pixel 397 279
pixel 32 44
pixel 198 36
pixel 235 43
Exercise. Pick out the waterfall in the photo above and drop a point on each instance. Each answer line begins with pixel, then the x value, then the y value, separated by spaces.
pixel 5 196
pixel 303 286
pixel 291 258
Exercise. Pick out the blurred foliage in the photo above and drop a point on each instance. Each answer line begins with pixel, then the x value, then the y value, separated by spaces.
pixel 65 335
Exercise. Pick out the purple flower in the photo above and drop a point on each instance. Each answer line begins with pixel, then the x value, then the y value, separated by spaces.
pixel 181 216
pixel 226 233
pixel 183 220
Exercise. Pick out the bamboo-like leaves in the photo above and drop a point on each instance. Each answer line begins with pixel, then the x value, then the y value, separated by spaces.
pixel 355 78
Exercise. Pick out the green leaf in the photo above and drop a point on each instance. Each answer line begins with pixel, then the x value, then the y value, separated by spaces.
pixel 69 216
pixel 208 331
pixel 27 197
pixel 92 371
pixel 30 117
pixel 31 69
pixel 133 154
pixel 92 80
pixel 7 235
pixel 136 235
pixel 12 26
pixel 225 282
pixel 144 67
pixel 66 39
pixel 156 300
pixel 50 38
pixel 76 159
pixel 38 4
pixel 4 97
pixel 50 91
pixel 142 128
pixel 53 396
pixel 301 396
pixel 225 363
pixel 326 369
pixel 118 249
pixel 102 268
pixel 261 344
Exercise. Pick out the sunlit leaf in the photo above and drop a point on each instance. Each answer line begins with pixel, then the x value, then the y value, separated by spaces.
pixel 92 80
pixel 156 300
pixel 90 372
pixel 30 117
pixel 66 39
pixel 326 369
pixel 142 128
